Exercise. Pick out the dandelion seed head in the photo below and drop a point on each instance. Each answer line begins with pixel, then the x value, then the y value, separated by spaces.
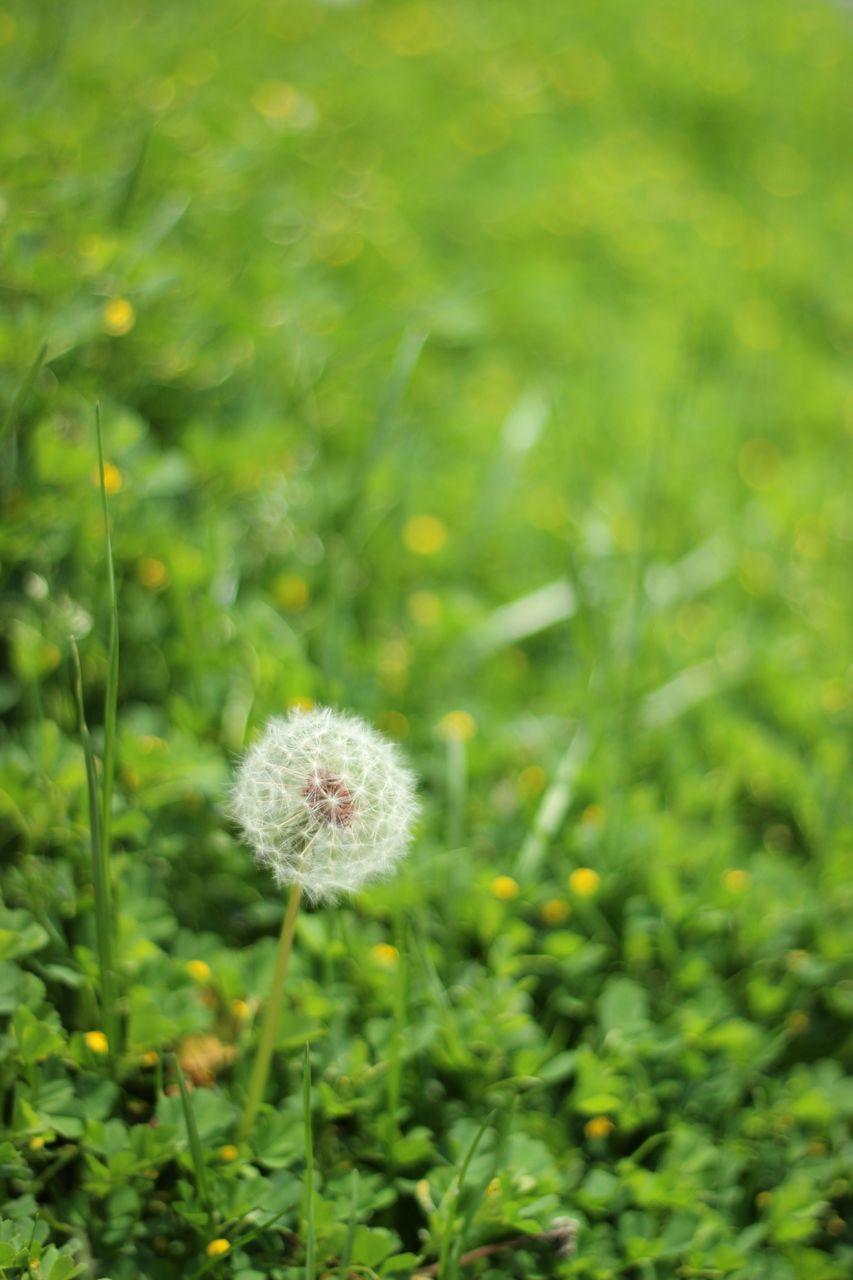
pixel 325 802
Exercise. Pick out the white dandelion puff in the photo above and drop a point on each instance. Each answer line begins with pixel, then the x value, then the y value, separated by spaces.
pixel 325 802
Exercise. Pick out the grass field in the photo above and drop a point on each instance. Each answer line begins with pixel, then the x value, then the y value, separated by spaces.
pixel 482 370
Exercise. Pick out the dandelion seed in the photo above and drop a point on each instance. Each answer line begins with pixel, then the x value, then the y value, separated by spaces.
pixel 325 802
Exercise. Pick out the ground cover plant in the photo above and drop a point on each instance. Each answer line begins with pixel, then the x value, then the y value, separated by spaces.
pixel 478 370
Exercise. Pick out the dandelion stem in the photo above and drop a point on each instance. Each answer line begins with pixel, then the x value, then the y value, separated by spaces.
pixel 263 1057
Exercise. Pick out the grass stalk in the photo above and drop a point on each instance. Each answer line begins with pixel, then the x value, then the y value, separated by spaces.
pixel 310 1244
pixel 111 697
pixel 22 393
pixel 346 1252
pixel 272 1013
pixel 195 1143
pixel 395 1048
pixel 100 870
pixel 457 787
pixel 448 1265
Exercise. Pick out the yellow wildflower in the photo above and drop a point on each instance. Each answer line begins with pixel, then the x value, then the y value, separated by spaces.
pixel 504 888
pixel 425 535
pixel 119 317
pixel 584 882
pixel 598 1127
pixel 385 953
pixel 554 911
pixel 113 479
pixel 153 574
pixel 199 970
pixel 458 726
pixel 97 1041
pixel 218 1248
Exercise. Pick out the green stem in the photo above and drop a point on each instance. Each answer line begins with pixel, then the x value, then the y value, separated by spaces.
pixel 263 1057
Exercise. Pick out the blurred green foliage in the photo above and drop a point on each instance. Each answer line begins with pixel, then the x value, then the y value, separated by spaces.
pixel 399 314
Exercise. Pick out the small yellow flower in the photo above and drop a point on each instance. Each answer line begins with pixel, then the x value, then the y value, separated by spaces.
pixel 457 726
pixel 301 703
pixel 97 1041
pixel 153 574
pixel 291 592
pixel 228 1153
pixel 198 970
pixel 275 100
pixel 113 479
pixel 736 880
pixel 37 1143
pixel 149 1058
pixel 504 888
pixel 119 317
pixel 584 882
pixel 424 608
pixel 554 911
pixel 385 954
pixel 218 1248
pixel 593 816
pixel 424 1195
pixel 394 723
pixel 598 1127
pixel 425 535
pixel 531 780
pixel 241 1009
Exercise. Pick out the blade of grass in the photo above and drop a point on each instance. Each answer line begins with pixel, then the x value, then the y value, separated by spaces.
pixel 457 788
pixel 111 696
pixel 395 1054
pixel 552 808
pixel 452 1196
pixel 309 1169
pixel 346 1252
pixel 22 393
pixel 272 1013
pixel 195 1144
pixel 100 869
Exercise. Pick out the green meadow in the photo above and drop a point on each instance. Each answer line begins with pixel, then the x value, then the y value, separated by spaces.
pixel 482 370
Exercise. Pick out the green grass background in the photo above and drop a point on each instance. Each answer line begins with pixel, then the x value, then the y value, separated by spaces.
pixel 572 280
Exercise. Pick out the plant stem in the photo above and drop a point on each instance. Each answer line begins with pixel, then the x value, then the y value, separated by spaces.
pixel 263 1057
